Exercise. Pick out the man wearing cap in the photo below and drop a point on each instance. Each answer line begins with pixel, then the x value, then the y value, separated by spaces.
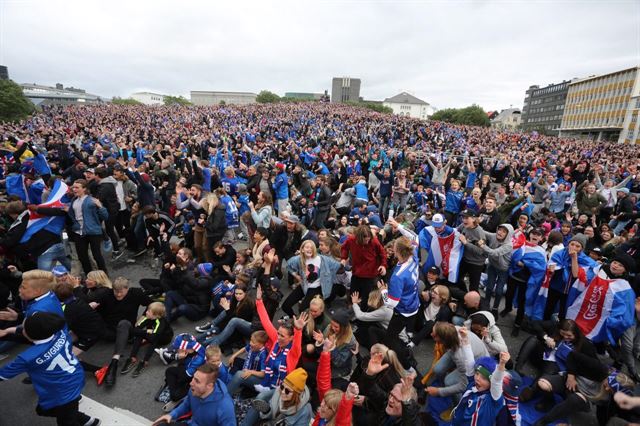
pixel 622 211
pixel 474 256
pixel 281 189
pixel 430 252
pixel 58 377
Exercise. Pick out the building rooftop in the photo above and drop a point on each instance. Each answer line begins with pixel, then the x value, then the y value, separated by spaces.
pixel 592 77
pixel 41 91
pixel 405 98
pixel 223 92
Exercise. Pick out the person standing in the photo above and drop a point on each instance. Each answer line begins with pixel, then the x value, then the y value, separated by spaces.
pixel 57 376
pixel 87 214
pixel 368 261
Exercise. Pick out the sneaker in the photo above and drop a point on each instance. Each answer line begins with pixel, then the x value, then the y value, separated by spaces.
pixel 117 254
pixel 260 406
pixel 169 406
pixel 212 331
pixel 129 365
pixel 165 356
pixel 139 369
pixel 203 328
pixel 93 422
pixel 131 261
pixel 140 253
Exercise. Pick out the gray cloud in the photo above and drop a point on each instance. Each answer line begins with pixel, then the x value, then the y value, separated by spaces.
pixel 447 53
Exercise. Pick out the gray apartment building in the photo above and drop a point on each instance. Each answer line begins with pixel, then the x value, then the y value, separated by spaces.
pixel 345 89
pixel 543 108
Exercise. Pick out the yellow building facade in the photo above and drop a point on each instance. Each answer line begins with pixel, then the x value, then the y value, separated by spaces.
pixel 604 107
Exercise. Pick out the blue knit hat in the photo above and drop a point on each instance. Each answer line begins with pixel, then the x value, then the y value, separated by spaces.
pixel 485 366
pixel 186 341
pixel 205 269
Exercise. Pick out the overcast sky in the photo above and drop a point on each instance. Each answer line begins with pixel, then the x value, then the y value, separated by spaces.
pixel 448 53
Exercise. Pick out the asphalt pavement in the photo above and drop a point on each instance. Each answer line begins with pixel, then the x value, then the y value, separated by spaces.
pixel 18 400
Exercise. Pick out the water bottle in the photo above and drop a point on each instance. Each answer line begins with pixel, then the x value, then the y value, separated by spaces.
pixel 391 212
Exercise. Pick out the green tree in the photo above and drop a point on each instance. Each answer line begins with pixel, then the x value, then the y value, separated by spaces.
pixel 374 106
pixel 125 101
pixel 176 100
pixel 267 97
pixel 14 106
pixel 222 102
pixel 472 115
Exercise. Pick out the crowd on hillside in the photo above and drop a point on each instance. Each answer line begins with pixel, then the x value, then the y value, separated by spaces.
pixel 368 235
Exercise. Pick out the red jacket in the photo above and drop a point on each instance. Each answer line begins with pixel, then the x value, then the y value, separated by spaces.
pixel 365 259
pixel 323 378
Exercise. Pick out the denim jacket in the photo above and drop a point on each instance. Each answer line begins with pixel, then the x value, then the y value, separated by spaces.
pixel 327 275
pixel 92 217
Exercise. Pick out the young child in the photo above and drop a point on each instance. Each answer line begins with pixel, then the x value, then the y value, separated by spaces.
pixel 483 400
pixel 190 355
pixel 152 328
pixel 213 356
pixel 252 370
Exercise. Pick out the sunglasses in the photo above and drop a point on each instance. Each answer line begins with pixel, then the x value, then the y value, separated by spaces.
pixel 286 390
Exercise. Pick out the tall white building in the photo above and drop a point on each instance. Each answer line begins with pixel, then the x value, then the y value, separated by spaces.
pixel 509 118
pixel 148 98
pixel 407 105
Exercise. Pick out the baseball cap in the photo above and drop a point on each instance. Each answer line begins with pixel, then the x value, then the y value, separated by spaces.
pixel 434 270
pixel 437 220
pixel 90 171
pixel 59 271
pixel 292 218
pixel 468 213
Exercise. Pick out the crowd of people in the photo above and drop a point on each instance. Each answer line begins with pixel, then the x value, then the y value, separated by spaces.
pixel 316 249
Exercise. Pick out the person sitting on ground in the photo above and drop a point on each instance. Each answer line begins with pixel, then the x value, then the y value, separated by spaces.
pixel 289 404
pixel 252 371
pixel 213 356
pixel 483 324
pixel 119 309
pixel 190 355
pixel 86 326
pixel 207 402
pixel 151 329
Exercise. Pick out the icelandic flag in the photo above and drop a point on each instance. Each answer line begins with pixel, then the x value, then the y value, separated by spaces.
pixel 535 260
pixel 54 224
pixel 15 186
pixel 604 310
pixel 41 165
pixel 443 252
pixel 562 260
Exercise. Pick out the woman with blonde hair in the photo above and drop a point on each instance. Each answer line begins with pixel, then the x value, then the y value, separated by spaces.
pixel 373 323
pixel 434 307
pixel 335 406
pixel 95 288
pixel 216 224
pixel 315 273
pixel 376 375
pixel 340 333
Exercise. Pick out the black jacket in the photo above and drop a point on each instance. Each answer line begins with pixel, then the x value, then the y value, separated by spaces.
pixel 216 225
pixel 83 320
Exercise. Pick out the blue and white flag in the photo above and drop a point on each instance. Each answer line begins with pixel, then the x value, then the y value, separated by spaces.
pixel 54 224
pixel 534 259
pixel 603 310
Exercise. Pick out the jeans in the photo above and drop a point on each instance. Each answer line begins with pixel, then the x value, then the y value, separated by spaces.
pixel 496 280
pixel 252 415
pixel 140 232
pixel 618 225
pixel 441 370
pixel 383 205
pixel 177 306
pixel 630 343
pixel 235 326
pixel 48 259
pixel 237 382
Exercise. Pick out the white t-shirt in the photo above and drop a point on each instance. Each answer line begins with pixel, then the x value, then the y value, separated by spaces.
pixel 312 272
